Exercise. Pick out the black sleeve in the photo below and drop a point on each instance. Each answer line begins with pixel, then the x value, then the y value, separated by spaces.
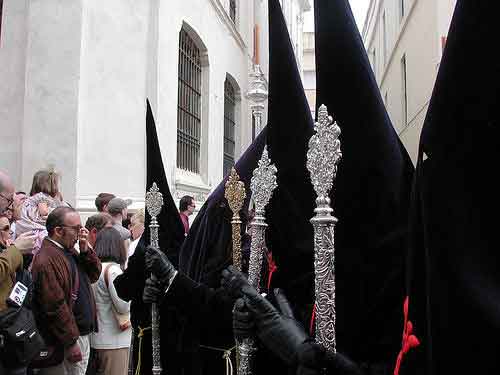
pixel 130 284
pixel 207 308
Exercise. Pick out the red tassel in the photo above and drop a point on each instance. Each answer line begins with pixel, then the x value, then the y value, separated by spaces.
pixel 272 268
pixel 409 341
pixel 313 318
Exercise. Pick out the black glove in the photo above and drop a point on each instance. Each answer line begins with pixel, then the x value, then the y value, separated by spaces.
pixel 160 267
pixel 233 281
pixel 313 359
pixel 153 291
pixel 279 332
pixel 243 321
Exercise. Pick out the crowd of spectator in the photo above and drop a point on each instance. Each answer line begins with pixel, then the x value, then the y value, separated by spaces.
pixel 84 324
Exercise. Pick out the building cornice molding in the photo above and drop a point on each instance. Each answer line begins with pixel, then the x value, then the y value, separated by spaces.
pixel 368 18
pixel 226 20
pixel 402 29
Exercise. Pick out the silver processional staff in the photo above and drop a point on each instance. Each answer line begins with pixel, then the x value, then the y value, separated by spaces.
pixel 262 185
pixel 154 204
pixel 322 159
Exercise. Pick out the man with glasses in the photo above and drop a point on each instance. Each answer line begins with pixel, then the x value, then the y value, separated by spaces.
pixel 186 208
pixel 11 252
pixel 62 277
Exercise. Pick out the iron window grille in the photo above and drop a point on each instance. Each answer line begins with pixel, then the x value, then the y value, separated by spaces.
pixel 229 126
pixel 189 105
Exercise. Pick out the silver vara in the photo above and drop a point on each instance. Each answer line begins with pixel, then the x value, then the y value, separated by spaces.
pixel 322 158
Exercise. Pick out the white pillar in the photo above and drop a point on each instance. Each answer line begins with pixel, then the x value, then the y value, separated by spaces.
pixel 52 88
pixel 12 78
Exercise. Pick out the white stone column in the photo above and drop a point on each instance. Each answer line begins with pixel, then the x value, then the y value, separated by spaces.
pixel 51 91
pixel 12 78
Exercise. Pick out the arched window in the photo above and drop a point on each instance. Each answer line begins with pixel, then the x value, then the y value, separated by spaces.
pixel 229 126
pixel 189 104
pixel 232 10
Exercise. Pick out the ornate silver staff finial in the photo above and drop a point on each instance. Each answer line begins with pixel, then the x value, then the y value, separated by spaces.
pixel 322 159
pixel 262 185
pixel 154 204
pixel 235 195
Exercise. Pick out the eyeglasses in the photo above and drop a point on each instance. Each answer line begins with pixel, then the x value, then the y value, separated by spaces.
pixel 75 227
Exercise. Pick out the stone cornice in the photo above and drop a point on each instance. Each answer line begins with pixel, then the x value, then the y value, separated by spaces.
pixel 226 20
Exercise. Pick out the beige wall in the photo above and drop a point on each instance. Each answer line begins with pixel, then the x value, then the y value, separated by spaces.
pixel 418 37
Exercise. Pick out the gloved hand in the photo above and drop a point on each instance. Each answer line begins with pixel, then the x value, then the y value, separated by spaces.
pixel 160 267
pixel 278 331
pixel 243 321
pixel 233 280
pixel 153 291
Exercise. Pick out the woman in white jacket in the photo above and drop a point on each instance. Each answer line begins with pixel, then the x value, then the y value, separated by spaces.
pixel 112 341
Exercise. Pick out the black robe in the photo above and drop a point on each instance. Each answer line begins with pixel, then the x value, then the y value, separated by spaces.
pixel 191 315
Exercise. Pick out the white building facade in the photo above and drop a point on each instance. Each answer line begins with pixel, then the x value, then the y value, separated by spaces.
pixel 309 70
pixel 75 75
pixel 405 41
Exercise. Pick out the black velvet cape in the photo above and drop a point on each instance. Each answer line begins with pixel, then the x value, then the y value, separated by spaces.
pixel 453 280
pixel 371 193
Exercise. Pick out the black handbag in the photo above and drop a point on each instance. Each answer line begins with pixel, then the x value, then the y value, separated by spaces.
pixel 20 340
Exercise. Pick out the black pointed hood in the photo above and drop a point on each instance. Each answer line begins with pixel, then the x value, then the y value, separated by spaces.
pixel 371 192
pixel 290 234
pixel 171 231
pixel 208 246
pixel 207 249
pixel 453 278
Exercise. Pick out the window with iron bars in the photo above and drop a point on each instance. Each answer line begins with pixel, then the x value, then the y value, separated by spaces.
pixel 232 10
pixel 229 126
pixel 189 105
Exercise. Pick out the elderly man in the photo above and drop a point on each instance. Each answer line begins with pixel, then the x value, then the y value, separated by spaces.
pixel 63 294
pixel 11 254
pixel 136 230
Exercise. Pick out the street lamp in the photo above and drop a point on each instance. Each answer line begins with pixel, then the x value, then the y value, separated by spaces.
pixel 257 94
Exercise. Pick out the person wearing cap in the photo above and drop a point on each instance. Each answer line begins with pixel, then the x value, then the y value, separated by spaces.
pixel 102 200
pixel 118 209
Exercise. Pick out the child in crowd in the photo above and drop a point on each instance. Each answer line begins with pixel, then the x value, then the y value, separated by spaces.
pixel 44 197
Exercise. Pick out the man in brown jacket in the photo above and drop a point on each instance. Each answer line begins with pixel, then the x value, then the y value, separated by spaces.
pixel 62 277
